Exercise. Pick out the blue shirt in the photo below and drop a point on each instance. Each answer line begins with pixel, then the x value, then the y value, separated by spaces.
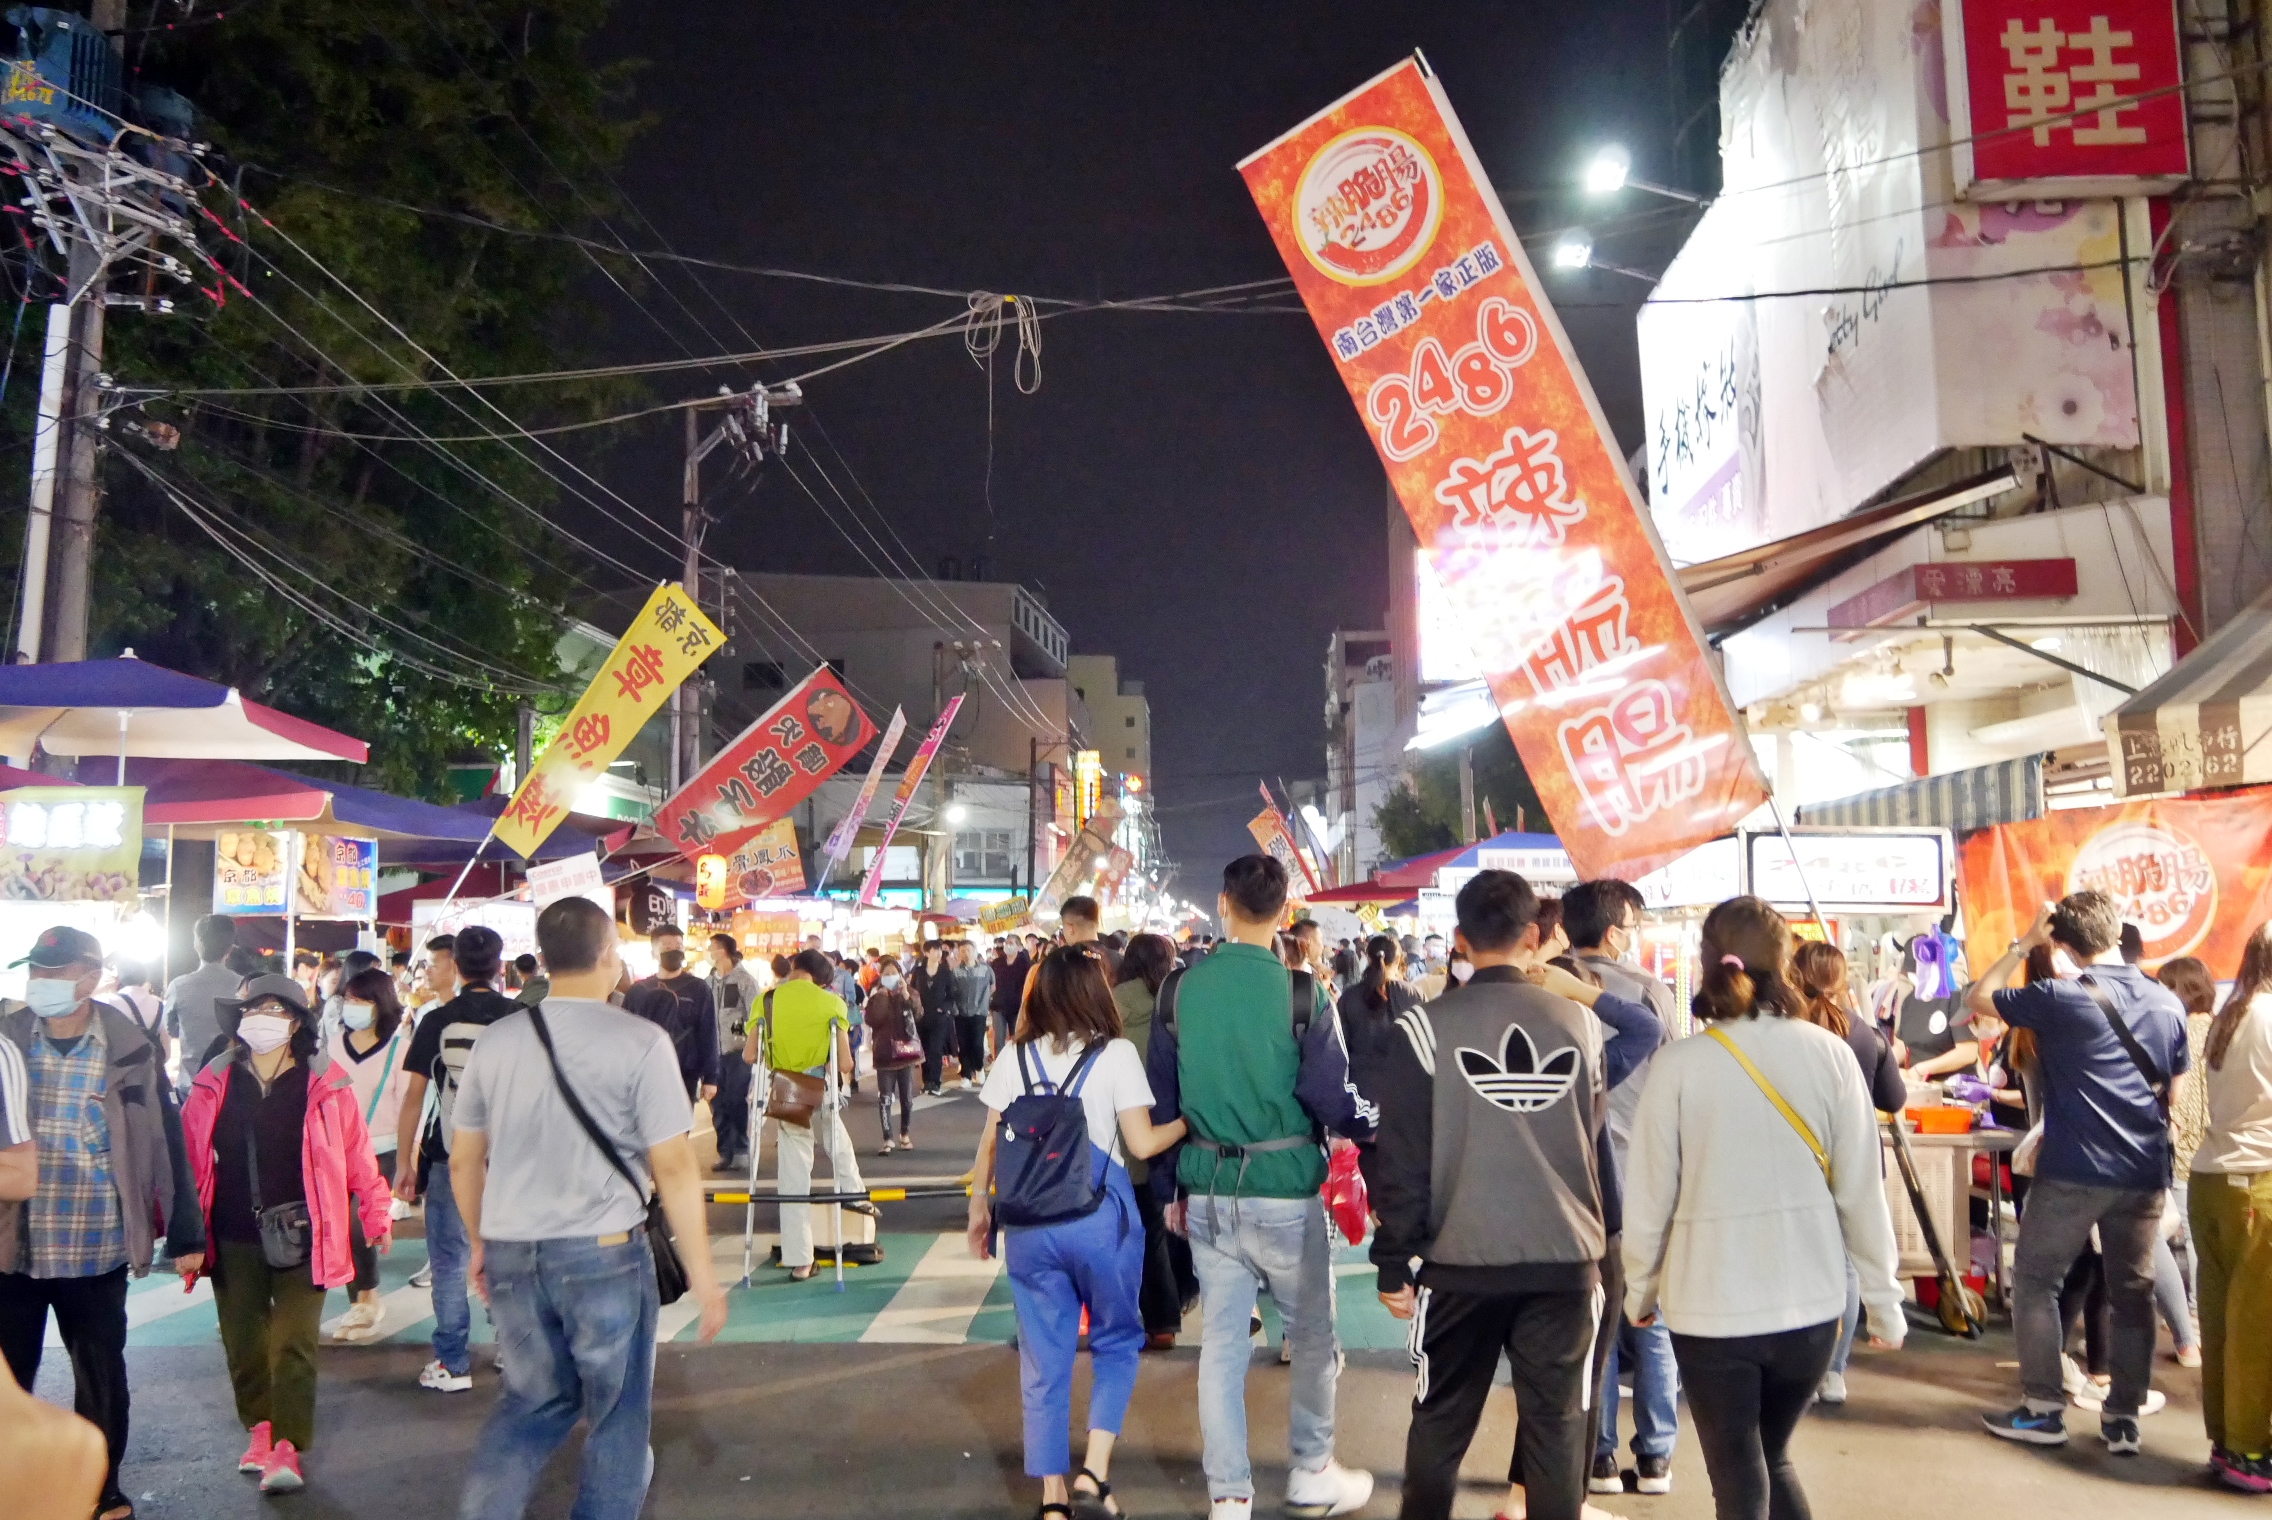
pixel 76 1227
pixel 2101 1125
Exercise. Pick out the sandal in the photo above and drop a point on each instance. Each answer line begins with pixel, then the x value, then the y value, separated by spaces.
pixel 803 1274
pixel 1102 1504
pixel 1053 1509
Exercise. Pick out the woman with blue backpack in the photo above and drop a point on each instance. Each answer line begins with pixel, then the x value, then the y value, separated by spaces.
pixel 1073 1102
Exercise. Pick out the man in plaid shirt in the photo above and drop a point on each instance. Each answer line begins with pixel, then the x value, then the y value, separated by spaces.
pixel 109 1148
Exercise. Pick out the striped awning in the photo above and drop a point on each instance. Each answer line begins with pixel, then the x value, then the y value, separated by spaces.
pixel 2204 724
pixel 2010 791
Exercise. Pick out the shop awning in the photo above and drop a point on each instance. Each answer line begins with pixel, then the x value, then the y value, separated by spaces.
pixel 1737 590
pixel 1358 892
pixel 2010 791
pixel 130 707
pixel 2205 723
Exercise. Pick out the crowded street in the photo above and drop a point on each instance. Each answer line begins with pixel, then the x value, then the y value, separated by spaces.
pixel 1190 761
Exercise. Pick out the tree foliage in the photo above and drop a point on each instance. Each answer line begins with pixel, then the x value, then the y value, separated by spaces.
pixel 1422 814
pixel 438 586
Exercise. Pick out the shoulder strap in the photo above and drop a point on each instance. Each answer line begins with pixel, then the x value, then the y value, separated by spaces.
pixel 1163 1010
pixel 1025 1073
pixel 1080 1071
pixel 2156 1083
pixel 1821 1156
pixel 1305 1003
pixel 386 1070
pixel 568 1096
pixel 252 1167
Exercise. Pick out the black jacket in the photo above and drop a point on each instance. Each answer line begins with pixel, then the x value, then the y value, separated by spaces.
pixel 937 996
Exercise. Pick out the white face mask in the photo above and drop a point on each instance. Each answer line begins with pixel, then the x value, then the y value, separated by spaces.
pixel 50 997
pixel 357 1015
pixel 1461 969
pixel 891 979
pixel 263 1032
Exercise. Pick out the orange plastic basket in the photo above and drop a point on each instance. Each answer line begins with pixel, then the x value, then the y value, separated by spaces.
pixel 1948 1119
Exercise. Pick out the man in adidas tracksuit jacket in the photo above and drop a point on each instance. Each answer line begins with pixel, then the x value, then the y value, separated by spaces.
pixel 1485 1178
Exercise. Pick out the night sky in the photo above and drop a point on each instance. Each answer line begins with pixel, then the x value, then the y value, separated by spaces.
pixel 1193 493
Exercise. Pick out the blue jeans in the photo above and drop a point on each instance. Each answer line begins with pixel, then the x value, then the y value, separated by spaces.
pixel 2170 1298
pixel 576 1322
pixel 1849 1323
pixel 446 1258
pixel 1645 1352
pixel 1055 1270
pixel 1238 1248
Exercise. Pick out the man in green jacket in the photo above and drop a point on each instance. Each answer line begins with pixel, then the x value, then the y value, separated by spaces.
pixel 1254 1062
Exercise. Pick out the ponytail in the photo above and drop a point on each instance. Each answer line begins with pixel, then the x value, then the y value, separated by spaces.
pixel 1380 954
pixel 1747 955
pixel 1819 969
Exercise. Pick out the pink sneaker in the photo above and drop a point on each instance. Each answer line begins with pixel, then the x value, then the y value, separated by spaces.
pixel 282 1475
pixel 256 1455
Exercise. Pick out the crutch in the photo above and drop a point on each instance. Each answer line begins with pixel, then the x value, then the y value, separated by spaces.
pixel 833 1109
pixel 760 1095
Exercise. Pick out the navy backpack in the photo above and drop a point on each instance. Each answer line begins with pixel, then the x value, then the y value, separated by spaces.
pixel 1042 1171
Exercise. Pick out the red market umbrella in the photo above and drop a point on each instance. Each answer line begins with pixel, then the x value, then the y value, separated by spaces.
pixel 127 707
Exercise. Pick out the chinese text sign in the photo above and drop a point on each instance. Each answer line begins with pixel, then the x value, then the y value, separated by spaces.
pixel 661 648
pixel 2079 90
pixel 908 782
pixel 1498 449
pixel 70 843
pixel 772 766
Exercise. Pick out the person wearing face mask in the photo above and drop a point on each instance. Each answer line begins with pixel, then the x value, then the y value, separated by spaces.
pixel 897 1049
pixel 283 1164
pixel 371 1044
pixel 680 1002
pixel 109 1144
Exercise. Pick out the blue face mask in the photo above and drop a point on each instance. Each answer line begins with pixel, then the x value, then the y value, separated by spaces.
pixel 891 979
pixel 52 998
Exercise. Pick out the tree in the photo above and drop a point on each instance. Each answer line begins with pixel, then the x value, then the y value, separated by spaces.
pixel 306 547
pixel 1422 813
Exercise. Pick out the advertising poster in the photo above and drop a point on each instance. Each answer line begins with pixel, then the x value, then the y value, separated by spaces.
pixel 1277 841
pixel 2194 874
pixel 664 644
pixel 1518 494
pixel 766 864
pixel 848 827
pixel 70 843
pixel 774 764
pixel 913 778
pixel 338 878
pixel 251 870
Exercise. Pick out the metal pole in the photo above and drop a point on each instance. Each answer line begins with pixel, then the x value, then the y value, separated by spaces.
pixel 683 712
pixel 1800 866
pixel 75 506
pixel 47 431
pixel 470 859
pixel 1467 794
pixel 760 1094
pixel 835 1122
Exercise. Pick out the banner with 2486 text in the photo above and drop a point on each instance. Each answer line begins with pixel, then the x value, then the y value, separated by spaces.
pixel 1498 449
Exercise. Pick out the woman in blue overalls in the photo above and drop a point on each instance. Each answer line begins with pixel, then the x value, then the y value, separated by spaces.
pixel 1095 1262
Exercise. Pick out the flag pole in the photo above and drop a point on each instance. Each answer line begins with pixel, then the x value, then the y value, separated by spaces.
pixel 470 859
pixel 1800 866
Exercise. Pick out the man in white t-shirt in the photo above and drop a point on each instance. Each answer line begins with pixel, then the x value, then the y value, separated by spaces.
pixel 557 1232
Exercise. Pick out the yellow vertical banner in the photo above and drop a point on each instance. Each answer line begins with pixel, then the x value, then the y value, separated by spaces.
pixel 663 646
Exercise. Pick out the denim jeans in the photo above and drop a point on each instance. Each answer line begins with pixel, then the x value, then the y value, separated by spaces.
pixel 1057 1270
pixel 446 1259
pixel 1644 1353
pixel 1239 1247
pixel 576 1324
pixel 2170 1298
pixel 2054 1228
pixel 1849 1323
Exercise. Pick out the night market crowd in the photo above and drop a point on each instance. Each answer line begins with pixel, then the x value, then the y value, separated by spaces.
pixel 1547 1177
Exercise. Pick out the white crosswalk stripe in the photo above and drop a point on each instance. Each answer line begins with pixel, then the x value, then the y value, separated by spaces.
pixel 152 1304
pixel 936 1304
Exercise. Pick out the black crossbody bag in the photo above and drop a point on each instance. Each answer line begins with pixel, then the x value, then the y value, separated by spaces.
pixel 287 1235
pixel 2156 1082
pixel 670 1272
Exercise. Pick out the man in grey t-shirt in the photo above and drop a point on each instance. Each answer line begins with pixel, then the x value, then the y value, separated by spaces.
pixel 556 1232
pixel 190 997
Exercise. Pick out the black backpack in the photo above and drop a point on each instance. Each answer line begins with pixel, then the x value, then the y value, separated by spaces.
pixel 1042 1172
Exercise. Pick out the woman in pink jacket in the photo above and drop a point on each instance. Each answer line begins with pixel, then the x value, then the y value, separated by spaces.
pixel 277 1142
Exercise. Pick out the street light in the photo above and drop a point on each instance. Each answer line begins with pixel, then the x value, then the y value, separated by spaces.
pixel 957 813
pixel 1611 170
pixel 1575 250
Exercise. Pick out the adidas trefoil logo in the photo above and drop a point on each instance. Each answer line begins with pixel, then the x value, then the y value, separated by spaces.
pixel 1518 1081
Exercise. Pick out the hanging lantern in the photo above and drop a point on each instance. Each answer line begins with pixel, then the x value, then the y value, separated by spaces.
pixel 710 881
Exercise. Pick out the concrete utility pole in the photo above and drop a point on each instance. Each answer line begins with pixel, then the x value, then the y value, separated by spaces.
pixel 749 430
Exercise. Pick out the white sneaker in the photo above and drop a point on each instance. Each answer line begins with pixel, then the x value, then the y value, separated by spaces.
pixel 1832 1389
pixel 2071 1377
pixel 2092 1400
pixel 361 1323
pixel 439 1378
pixel 1331 1490
pixel 1230 1509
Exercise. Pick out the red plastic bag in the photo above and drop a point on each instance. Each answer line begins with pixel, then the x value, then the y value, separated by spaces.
pixel 1345 1198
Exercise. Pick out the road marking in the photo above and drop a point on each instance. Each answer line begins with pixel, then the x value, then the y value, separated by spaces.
pixel 672 1320
pixel 404 1307
pixel 939 1299
pixel 159 1301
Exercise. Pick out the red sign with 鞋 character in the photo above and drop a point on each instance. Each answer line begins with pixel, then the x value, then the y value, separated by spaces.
pixel 2068 97
pixel 1516 490
pixel 776 763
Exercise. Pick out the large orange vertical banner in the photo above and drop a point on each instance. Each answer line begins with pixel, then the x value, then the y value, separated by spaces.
pixel 1498 449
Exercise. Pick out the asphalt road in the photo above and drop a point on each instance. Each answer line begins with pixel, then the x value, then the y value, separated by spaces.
pixel 814 1422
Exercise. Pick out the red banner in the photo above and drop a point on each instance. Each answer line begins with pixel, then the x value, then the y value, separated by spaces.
pixel 2194 874
pixel 908 782
pixel 776 763
pixel 2078 93
pixel 1499 451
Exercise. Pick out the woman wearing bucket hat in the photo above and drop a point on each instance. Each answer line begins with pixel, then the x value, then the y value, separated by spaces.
pixel 283 1161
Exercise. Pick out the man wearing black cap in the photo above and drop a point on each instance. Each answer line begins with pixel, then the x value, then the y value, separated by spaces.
pixel 92 1222
pixel 439 1048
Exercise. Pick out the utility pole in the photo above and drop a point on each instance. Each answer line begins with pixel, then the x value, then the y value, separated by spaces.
pixel 1467 794
pixel 747 429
